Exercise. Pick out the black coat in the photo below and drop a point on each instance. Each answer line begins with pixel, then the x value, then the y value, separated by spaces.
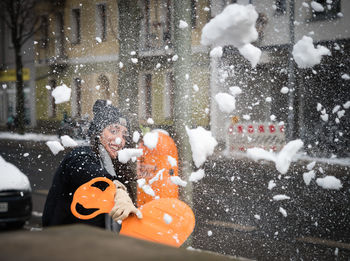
pixel 78 167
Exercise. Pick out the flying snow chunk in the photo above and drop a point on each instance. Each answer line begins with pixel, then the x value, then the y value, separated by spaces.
pixel 132 53
pixel 48 87
pixel 148 190
pixel 125 155
pixel 216 52
pixel 336 108
pixel 317 7
pixel 271 185
pixel 284 90
pixel 329 182
pixel 150 140
pixel 346 105
pixel 268 99
pixel 61 94
pixel 306 55
pixel 210 233
pixel 98 39
pixel 324 117
pixel 283 211
pixel 319 106
pixel 174 58
pixel 54 146
pixel 136 136
pixel 158 65
pixel 121 65
pixel 68 141
pixel 257 217
pixel 118 141
pixel 226 102
pixel 134 60
pixel 150 121
pixel 280 197
pixel 235 90
pixel 183 24
pixel 196 176
pixel 178 181
pixel 202 144
pixel 172 161
pixel 141 182
pixel 246 117
pixel 311 165
pixel 308 176
pixel 251 53
pixel 345 76
pixel 195 88
pixel 167 218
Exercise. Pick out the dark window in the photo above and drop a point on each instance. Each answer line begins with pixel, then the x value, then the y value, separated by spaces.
pixel 101 21
pixel 76 37
pixel 331 10
pixel 44 31
pixel 281 7
pixel 52 104
pixel 59 35
pixel 193 13
pixel 167 29
pixel 77 85
pixel 169 96
pixel 148 95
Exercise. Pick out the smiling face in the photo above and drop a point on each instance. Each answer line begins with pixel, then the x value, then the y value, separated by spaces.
pixel 113 139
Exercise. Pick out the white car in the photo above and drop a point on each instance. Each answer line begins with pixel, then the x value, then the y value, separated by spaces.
pixel 15 196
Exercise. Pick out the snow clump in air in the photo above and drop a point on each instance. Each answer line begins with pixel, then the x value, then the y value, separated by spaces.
pixel 283 211
pixel 306 55
pixel 280 197
pixel 202 144
pixel 150 140
pixel 345 76
pixel 329 182
pixel 226 102
pixel 11 177
pixel 216 52
pixel 55 147
pixel 183 24
pixel 308 176
pixel 282 159
pixel 271 185
pixel 167 218
pixel 68 141
pixel 172 161
pixel 61 94
pixel 346 105
pixel 284 90
pixel 196 176
pixel 125 155
pixel 317 7
pixel 136 136
pixel 178 181
pixel 235 25
pixel 235 90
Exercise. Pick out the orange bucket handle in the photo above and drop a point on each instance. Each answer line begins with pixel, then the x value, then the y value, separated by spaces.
pixel 93 197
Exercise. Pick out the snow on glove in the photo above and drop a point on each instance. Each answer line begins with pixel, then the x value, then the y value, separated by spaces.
pixel 123 204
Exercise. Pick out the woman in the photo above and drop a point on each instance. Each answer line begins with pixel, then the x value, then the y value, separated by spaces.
pixel 108 134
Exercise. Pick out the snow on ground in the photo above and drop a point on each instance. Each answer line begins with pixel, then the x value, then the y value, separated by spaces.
pixel 125 155
pixel 235 25
pixel 11 177
pixel 306 55
pixel 55 147
pixel 226 102
pixel 61 94
pixel 151 139
pixel 197 175
pixel 27 136
pixel 282 159
pixel 329 182
pixel 202 144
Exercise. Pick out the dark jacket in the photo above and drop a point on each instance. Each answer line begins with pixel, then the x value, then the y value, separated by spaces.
pixel 78 167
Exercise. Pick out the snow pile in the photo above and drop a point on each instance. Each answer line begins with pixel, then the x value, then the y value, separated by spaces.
pixel 125 155
pixel 234 26
pixel 68 141
pixel 329 182
pixel 202 144
pixel 178 181
pixel 306 55
pixel 55 147
pixel 151 139
pixel 61 94
pixel 308 176
pixel 280 197
pixel 282 159
pixel 226 102
pixel 196 176
pixel 11 177
pixel 216 52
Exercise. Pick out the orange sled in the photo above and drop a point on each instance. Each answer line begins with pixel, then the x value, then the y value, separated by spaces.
pixel 166 221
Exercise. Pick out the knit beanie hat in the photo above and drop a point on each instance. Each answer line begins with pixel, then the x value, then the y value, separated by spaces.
pixel 105 114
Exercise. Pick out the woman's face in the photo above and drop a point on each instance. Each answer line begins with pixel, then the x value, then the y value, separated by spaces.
pixel 113 139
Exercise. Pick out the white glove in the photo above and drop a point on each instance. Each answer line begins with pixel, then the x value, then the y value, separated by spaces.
pixel 123 204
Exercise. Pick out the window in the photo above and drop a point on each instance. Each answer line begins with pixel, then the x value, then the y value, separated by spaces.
pixel 169 96
pixel 281 7
pixel 193 13
pixel 51 100
pixel 76 98
pixel 145 97
pixel 76 37
pixel 59 35
pixel 101 22
pixel 44 31
pixel 331 9
pixel 104 89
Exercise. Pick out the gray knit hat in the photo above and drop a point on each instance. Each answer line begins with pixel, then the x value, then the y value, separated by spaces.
pixel 105 114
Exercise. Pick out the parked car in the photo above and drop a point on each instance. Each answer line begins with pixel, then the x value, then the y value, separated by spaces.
pixel 15 196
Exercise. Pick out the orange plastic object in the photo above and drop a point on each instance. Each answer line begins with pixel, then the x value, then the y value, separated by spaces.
pixel 94 198
pixel 153 161
pixel 154 224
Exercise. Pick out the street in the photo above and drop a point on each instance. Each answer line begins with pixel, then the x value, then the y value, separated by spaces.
pixel 226 204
